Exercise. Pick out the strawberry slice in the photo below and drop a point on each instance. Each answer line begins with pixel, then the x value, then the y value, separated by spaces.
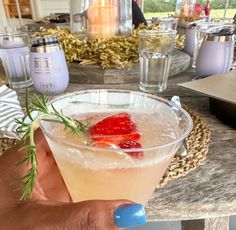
pixel 102 144
pixel 116 140
pixel 132 145
pixel 117 124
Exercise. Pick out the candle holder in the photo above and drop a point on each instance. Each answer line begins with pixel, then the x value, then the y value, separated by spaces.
pixel 101 18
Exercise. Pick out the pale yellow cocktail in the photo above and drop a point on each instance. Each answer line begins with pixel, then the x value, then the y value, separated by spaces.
pixel 96 166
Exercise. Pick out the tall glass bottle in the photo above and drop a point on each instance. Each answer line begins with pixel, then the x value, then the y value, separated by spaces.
pixel 78 15
pixel 125 17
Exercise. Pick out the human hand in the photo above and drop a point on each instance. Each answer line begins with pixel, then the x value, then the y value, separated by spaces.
pixel 50 206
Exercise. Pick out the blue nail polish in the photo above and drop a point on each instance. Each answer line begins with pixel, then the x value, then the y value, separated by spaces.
pixel 130 216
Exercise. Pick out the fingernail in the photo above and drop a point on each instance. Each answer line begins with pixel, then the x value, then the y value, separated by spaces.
pixel 130 216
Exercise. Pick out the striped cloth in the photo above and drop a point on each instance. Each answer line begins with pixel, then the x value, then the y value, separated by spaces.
pixel 10 110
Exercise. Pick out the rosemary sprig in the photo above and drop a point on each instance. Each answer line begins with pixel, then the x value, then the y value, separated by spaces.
pixel 27 129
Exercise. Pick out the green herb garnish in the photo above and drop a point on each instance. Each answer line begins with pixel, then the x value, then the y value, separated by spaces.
pixel 27 129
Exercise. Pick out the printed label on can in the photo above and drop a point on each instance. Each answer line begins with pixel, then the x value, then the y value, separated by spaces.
pixel 49 71
pixel 47 63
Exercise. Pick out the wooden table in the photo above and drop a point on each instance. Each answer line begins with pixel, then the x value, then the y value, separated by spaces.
pixel 208 193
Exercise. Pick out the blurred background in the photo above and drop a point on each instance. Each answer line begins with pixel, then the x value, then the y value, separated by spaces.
pixel 35 10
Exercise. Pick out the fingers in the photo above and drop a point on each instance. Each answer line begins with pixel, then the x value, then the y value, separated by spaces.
pixel 10 185
pixel 87 215
pixel 49 183
pixel 49 176
pixel 96 214
pixel 103 215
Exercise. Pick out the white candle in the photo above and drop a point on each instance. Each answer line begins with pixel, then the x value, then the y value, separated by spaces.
pixel 102 20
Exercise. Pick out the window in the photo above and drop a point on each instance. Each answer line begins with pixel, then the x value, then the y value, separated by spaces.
pixel 11 9
pixel 163 8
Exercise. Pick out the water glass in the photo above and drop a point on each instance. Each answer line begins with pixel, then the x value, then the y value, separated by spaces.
pixel 168 23
pixel 155 52
pixel 15 53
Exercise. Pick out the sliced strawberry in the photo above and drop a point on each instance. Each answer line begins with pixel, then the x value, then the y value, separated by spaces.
pixel 132 145
pixel 117 124
pixel 117 139
pixel 103 144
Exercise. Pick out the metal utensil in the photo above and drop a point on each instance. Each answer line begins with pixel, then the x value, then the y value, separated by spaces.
pixel 183 149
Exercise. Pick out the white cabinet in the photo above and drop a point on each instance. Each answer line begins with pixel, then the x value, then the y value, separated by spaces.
pixel 39 9
pixel 11 9
pixel 47 7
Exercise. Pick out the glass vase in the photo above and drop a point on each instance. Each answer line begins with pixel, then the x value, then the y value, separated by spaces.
pixel 101 18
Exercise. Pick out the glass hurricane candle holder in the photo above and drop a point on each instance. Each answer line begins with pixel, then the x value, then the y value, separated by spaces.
pixel 101 18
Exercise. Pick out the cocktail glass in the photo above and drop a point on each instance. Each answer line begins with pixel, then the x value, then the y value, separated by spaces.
pixel 104 173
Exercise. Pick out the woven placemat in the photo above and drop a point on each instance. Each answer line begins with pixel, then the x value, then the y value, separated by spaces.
pixel 2 75
pixel 6 143
pixel 197 145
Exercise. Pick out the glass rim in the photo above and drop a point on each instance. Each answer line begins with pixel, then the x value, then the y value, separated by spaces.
pixel 13 33
pixel 157 32
pixel 15 40
pixel 17 31
pixel 168 19
pixel 213 24
pixel 93 148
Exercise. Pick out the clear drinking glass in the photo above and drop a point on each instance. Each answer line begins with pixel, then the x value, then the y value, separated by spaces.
pixel 15 53
pixel 125 17
pixel 155 52
pixel 93 172
pixel 78 16
pixel 168 23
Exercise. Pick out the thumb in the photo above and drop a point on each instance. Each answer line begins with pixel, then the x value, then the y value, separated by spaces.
pixel 86 215
pixel 104 214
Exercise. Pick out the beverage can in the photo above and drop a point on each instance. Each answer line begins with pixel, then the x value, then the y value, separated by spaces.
pixel 49 69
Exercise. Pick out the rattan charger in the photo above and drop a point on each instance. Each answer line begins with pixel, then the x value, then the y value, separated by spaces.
pixel 197 145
